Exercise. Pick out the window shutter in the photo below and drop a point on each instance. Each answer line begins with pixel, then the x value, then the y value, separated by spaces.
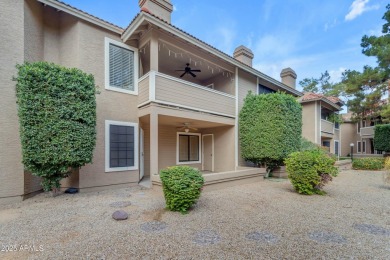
pixel 121 67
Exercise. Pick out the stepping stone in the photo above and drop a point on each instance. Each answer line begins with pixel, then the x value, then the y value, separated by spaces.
pixel 120 215
pixel 262 236
pixel 154 226
pixel 206 237
pixel 372 229
pixel 327 237
pixel 120 204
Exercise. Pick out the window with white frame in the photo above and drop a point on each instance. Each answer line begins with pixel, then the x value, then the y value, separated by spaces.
pixel 121 67
pixel 121 146
pixel 359 147
pixel 364 146
pixel 336 148
pixel 188 148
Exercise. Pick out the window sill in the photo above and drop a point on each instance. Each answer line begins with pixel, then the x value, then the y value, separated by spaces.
pixel 121 169
pixel 192 162
pixel 130 92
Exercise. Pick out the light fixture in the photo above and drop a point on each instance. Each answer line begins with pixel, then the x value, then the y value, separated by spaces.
pixel 186 130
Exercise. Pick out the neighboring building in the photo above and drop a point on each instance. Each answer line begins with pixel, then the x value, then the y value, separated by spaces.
pixel 360 134
pixel 317 111
pixel 149 116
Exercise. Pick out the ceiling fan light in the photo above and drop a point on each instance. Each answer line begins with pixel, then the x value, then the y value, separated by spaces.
pixel 186 130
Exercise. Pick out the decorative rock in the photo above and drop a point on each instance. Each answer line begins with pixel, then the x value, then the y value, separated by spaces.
pixel 327 237
pixel 206 237
pixel 372 229
pixel 262 236
pixel 120 215
pixel 154 226
pixel 120 204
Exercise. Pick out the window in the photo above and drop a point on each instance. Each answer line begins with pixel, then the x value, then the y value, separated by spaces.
pixel 364 146
pixel 121 67
pixel 336 148
pixel 364 123
pixel 264 90
pixel 358 126
pixel 188 148
pixel 121 146
pixel 337 125
pixel 359 147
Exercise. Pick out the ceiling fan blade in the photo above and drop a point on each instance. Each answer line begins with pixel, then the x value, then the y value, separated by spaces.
pixel 192 128
pixel 192 74
pixel 181 128
pixel 180 70
pixel 183 74
pixel 196 70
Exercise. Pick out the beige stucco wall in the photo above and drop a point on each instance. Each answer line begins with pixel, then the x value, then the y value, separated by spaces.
pixel 348 135
pixel 12 53
pixel 308 121
pixel 111 105
pixel 223 147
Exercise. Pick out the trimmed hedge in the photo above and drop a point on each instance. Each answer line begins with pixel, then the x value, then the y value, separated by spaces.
pixel 57 115
pixel 270 128
pixel 382 138
pixel 368 163
pixel 310 170
pixel 182 186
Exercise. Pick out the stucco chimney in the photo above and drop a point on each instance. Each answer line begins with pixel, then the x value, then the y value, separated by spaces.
pixel 160 8
pixel 288 77
pixel 243 54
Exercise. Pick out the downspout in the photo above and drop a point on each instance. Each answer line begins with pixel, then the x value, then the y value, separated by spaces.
pixel 236 122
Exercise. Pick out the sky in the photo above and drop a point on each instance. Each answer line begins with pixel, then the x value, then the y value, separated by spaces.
pixel 310 36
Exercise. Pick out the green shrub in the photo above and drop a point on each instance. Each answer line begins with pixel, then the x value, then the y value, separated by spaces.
pixel 57 116
pixel 306 145
pixel 382 138
pixel 309 171
pixel 368 164
pixel 182 186
pixel 270 128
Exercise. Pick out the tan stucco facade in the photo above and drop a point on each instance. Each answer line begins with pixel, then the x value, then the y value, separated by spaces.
pixel 210 103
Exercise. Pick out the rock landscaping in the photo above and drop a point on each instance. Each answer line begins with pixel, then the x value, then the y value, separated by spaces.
pixel 263 220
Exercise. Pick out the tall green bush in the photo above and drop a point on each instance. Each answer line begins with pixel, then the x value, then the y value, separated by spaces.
pixel 270 128
pixel 382 138
pixel 182 186
pixel 57 114
pixel 310 170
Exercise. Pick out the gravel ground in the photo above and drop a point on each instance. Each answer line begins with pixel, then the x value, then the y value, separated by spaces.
pixel 264 220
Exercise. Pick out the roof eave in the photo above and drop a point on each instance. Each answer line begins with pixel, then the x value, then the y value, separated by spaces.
pixel 170 28
pixel 322 99
pixel 84 16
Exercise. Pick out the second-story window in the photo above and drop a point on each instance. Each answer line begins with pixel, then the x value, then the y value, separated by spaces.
pixel 121 67
pixel 264 90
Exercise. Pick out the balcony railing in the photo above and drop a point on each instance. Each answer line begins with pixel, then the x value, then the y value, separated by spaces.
pixel 327 127
pixel 168 90
pixel 367 132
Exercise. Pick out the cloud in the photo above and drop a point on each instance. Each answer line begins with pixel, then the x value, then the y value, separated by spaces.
pixel 330 25
pixel 335 75
pixel 225 36
pixel 174 8
pixel 358 7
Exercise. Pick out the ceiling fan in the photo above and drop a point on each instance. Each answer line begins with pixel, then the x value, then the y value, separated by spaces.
pixel 188 70
pixel 186 128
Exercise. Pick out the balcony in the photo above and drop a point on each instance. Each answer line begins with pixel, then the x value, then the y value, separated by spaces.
pixel 327 127
pixel 367 132
pixel 167 90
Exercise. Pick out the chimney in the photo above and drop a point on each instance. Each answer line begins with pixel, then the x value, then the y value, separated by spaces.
pixel 288 77
pixel 160 8
pixel 243 54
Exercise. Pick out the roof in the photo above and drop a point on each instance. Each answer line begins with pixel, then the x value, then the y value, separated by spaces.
pixel 310 96
pixel 143 14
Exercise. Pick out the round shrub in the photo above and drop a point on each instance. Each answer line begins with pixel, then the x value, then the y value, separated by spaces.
pixel 182 186
pixel 309 171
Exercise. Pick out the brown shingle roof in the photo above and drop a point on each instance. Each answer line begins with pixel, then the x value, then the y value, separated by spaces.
pixel 308 96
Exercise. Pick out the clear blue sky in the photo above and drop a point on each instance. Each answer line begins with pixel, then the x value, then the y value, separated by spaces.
pixel 310 36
